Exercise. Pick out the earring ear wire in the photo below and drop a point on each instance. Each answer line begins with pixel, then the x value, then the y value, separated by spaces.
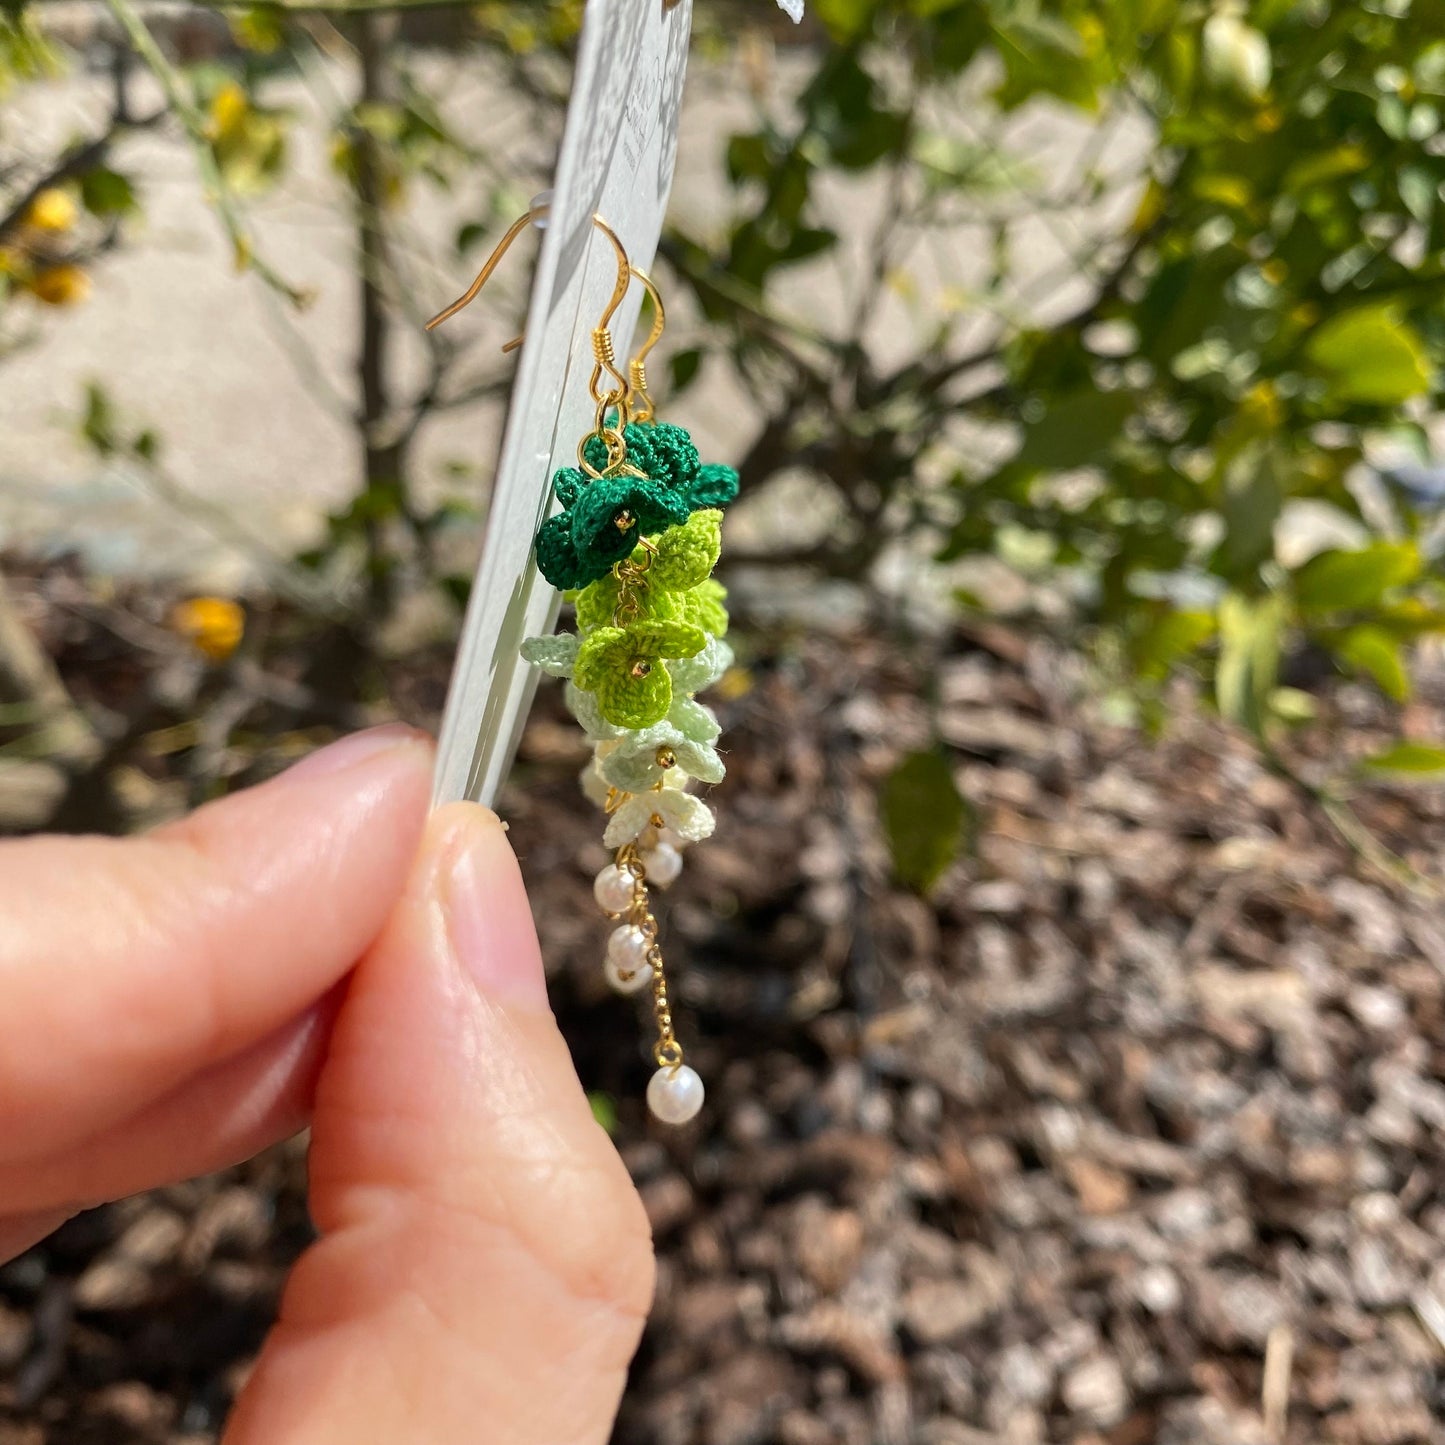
pixel 637 365
pixel 604 349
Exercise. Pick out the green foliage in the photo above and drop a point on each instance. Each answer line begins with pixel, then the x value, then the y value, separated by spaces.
pixel 925 818
pixel 1265 312
pixel 1406 760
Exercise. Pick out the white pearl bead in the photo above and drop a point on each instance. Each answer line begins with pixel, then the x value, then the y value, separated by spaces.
pixel 666 835
pixel 627 947
pixel 623 979
pixel 612 889
pixel 663 864
pixel 674 1094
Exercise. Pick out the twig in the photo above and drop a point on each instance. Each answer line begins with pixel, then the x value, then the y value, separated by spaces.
pixel 82 157
pixel 1371 851
pixel 1278 1365
pixel 178 99
pixel 338 8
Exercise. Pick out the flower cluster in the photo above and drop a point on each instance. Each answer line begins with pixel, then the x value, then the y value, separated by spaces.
pixel 650 629
pixel 658 482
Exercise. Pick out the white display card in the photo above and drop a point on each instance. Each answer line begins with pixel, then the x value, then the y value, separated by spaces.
pixel 618 149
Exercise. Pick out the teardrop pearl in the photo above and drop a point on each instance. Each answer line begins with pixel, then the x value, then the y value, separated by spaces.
pixel 627 948
pixel 666 835
pixel 612 889
pixel 663 864
pixel 675 1094
pixel 626 980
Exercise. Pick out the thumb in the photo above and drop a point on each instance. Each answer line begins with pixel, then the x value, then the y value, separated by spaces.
pixel 485 1265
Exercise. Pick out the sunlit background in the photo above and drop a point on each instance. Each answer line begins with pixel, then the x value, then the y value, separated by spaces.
pixel 1068 968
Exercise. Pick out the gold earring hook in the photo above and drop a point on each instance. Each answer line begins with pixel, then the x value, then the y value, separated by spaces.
pixel 533 213
pixel 603 347
pixel 637 366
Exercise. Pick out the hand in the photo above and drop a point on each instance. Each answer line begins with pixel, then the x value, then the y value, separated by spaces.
pixel 316 948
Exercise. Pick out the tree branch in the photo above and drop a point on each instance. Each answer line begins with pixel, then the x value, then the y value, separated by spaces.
pixel 80 158
pixel 178 99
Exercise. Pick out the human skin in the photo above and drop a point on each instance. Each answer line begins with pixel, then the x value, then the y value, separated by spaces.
pixel 318 950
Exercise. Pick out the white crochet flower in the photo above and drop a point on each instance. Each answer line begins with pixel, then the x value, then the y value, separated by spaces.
pixel 689 817
pixel 643 759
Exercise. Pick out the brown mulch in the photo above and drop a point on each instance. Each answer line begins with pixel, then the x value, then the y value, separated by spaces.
pixel 1149 1091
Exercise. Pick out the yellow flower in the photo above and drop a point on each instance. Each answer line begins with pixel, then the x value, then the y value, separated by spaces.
pixel 229 111
pixel 214 625
pixel 52 210
pixel 62 285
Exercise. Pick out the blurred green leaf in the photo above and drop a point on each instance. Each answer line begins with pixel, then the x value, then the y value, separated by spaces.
pixel 684 367
pixel 604 1109
pixel 1171 638
pixel 1370 355
pixel 1417 759
pixel 1251 637
pixel 1074 431
pixel 925 818
pixel 105 192
pixel 1340 581
pixel 1373 651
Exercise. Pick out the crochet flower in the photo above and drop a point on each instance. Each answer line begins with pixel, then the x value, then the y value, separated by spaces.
pixel 714 486
pixel 704 607
pixel 597 604
pixel 689 817
pixel 595 788
pixel 624 667
pixel 602 524
pixel 663 451
pixel 556 655
pixel 667 454
pixel 643 759
pixel 687 554
pixel 701 669
pixel 690 718
pixel 583 706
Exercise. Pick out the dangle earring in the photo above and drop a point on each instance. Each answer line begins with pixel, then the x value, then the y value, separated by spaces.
pixel 633 549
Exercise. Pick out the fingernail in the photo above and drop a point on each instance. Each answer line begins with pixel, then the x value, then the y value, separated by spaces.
pixel 489 919
pixel 338 756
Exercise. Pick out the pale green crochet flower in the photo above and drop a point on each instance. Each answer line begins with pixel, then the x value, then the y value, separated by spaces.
pixel 643 759
pixel 689 817
pixel 556 654
pixel 693 720
pixel 583 706
pixel 693 674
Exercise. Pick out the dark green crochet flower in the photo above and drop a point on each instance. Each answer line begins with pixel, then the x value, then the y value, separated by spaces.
pixel 714 486
pixel 667 454
pixel 601 526
pixel 664 451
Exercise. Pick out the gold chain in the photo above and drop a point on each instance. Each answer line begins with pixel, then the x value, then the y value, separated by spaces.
pixel 666 1052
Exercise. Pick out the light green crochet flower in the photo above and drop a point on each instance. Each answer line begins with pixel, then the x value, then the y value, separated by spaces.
pixel 597 604
pixel 623 666
pixel 704 607
pixel 689 817
pixel 693 720
pixel 687 554
pixel 583 706
pixel 556 655
pixel 701 669
pixel 643 759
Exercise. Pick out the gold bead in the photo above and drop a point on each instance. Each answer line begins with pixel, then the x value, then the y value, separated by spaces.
pixel 624 520
pixel 666 758
pixel 640 667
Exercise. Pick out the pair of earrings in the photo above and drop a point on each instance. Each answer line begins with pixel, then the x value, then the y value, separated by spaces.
pixel 633 548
